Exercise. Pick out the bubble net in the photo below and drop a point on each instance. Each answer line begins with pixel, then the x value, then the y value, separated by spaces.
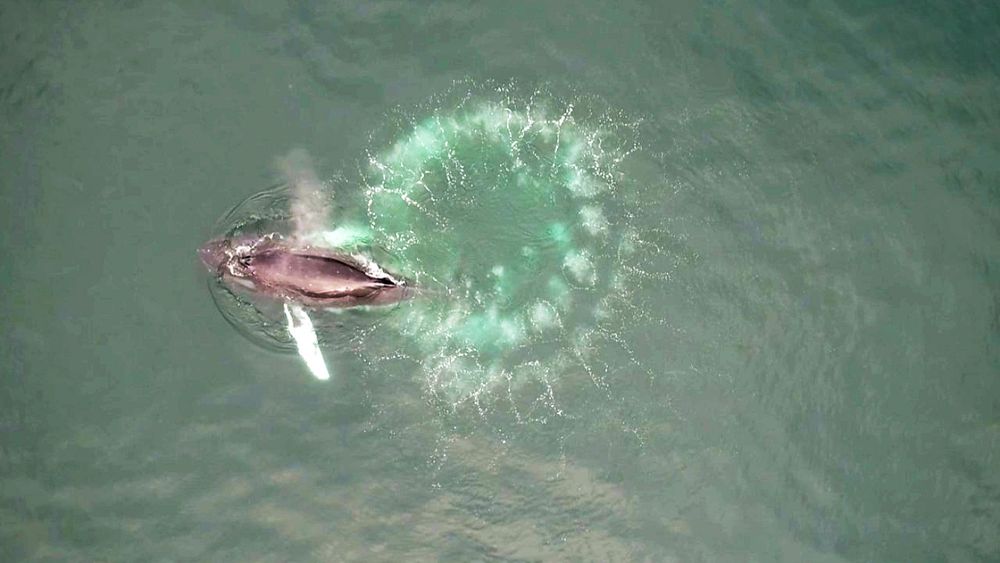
pixel 506 216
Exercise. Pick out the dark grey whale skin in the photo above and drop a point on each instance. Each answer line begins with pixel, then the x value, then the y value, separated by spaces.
pixel 309 276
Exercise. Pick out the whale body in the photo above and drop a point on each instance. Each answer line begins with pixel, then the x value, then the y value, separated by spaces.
pixel 310 276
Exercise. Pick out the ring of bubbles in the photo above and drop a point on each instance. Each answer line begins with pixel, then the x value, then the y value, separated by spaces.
pixel 506 217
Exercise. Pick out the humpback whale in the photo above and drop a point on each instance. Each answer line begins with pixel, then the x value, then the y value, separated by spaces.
pixel 306 275
pixel 304 271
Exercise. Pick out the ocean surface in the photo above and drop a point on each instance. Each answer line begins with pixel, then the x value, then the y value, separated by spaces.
pixel 705 281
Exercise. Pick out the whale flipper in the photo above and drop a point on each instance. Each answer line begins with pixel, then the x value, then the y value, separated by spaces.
pixel 300 327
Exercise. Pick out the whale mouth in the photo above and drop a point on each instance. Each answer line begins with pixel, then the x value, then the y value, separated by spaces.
pixel 214 254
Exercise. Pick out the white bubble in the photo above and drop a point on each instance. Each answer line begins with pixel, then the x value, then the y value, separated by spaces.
pixel 543 316
pixel 560 292
pixel 584 184
pixel 512 330
pixel 580 267
pixel 592 218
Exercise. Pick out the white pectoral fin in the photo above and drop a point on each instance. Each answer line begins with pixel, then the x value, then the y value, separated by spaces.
pixel 300 326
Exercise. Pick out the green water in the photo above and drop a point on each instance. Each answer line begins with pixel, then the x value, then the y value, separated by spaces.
pixel 768 330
